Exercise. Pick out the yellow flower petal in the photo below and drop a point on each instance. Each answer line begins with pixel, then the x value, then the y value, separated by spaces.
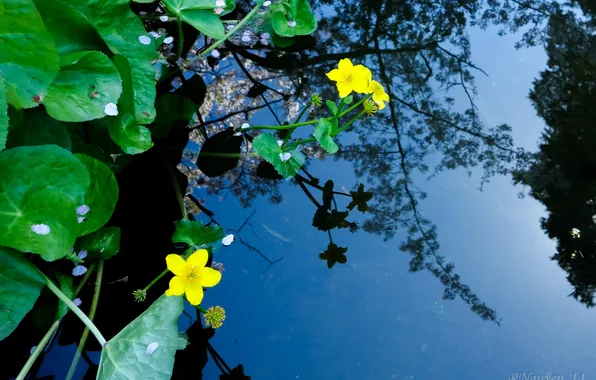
pixel 199 258
pixel 361 79
pixel 194 294
pixel 211 277
pixel 345 65
pixel 335 75
pixel 176 287
pixel 176 264
pixel 344 89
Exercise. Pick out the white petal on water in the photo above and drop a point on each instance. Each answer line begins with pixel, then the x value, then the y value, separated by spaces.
pixel 111 109
pixel 77 302
pixel 267 3
pixel 245 126
pixel 151 347
pixel 218 11
pixel 83 209
pixel 144 40
pixel 292 23
pixel 154 34
pixel 215 53
pixel 237 134
pixel 220 3
pixel 285 156
pixel 81 219
pixel 168 40
pixel 227 240
pixel 79 270
pixel 264 42
pixel 82 254
pixel 265 36
pixel 163 18
pixel 246 38
pixel 41 229
pixel 280 142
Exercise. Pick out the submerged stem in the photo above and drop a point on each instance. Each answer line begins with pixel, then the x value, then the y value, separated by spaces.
pixel 40 346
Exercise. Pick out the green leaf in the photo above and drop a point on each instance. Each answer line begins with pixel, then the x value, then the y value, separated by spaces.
pixel 348 99
pixel 323 135
pixel 3 114
pixel 297 11
pixel 282 42
pixel 65 285
pixel 267 147
pixel 40 185
pixel 86 83
pixel 20 285
pixel 103 243
pixel 125 355
pixel 130 136
pixel 28 57
pixel 120 29
pixel 332 107
pixel 70 30
pixel 199 14
pixel 195 234
pixel 38 128
pixel 173 110
pixel 101 197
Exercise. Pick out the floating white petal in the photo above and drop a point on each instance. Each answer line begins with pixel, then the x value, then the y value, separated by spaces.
pixel 246 38
pixel 218 11
pixel 81 219
pixel 41 229
pixel 245 126
pixel 151 347
pixel 220 3
pixel 82 210
pixel 111 109
pixel 144 40
pixel 163 18
pixel 82 255
pixel 267 3
pixel 215 53
pixel 77 302
pixel 265 36
pixel 285 156
pixel 292 23
pixel 280 142
pixel 227 240
pixel 168 40
pixel 79 270
pixel 154 34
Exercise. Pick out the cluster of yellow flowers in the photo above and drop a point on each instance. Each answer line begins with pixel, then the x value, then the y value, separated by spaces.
pixel 358 79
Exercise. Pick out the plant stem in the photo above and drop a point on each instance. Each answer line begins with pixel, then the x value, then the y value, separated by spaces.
pixel 146 288
pixel 306 107
pixel 102 341
pixel 345 126
pixel 354 106
pixel 201 309
pixel 281 127
pixel 75 360
pixel 233 30
pixel 40 346
pixel 180 39
pixel 299 142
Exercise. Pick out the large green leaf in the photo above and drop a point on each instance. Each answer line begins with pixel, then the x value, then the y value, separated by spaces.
pixel 87 82
pixel 120 29
pixel 199 14
pixel 3 114
pixel 40 190
pixel 267 147
pixel 126 356
pixel 70 30
pixel 38 128
pixel 195 234
pixel 130 136
pixel 173 110
pixel 20 285
pixel 323 135
pixel 101 197
pixel 103 243
pixel 28 57
pixel 293 18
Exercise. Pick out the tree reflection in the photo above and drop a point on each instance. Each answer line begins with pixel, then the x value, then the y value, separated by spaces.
pixel 562 175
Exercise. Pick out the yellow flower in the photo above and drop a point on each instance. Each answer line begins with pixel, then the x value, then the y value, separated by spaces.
pixel 191 276
pixel 214 316
pixel 379 94
pixel 350 78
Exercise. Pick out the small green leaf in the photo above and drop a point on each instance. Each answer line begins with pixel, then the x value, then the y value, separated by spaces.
pixel 293 18
pixel 332 107
pixel 348 100
pixel 199 14
pixel 87 82
pixel 323 135
pixel 195 234
pixel 126 356
pixel 40 186
pixel 282 42
pixel 28 57
pixel 103 243
pixel 267 147
pixel 38 128
pixel 101 197
pixel 130 136
pixel 3 115
pixel 20 285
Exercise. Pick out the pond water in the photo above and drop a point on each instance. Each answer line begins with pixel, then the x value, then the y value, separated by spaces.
pixel 383 314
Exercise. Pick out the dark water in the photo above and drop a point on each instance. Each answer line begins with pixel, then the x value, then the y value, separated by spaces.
pixel 383 314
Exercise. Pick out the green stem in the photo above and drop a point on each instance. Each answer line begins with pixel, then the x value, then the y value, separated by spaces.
pixel 180 39
pixel 297 143
pixel 179 196
pixel 75 360
pixel 40 346
pixel 354 106
pixel 233 30
pixel 146 288
pixel 306 107
pixel 281 127
pixel 102 341
pixel 201 309
pixel 345 126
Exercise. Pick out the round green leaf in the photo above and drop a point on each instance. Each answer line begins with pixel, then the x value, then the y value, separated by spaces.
pixel 199 14
pixel 195 234
pixel 267 147
pixel 3 114
pixel 126 356
pixel 323 135
pixel 40 185
pixel 28 58
pixel 20 285
pixel 294 18
pixel 87 82
pixel 103 243
pixel 131 137
pixel 38 128
pixel 101 197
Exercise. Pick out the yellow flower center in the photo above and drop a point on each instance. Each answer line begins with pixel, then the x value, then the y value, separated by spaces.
pixel 349 78
pixel 193 275
pixel 377 87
